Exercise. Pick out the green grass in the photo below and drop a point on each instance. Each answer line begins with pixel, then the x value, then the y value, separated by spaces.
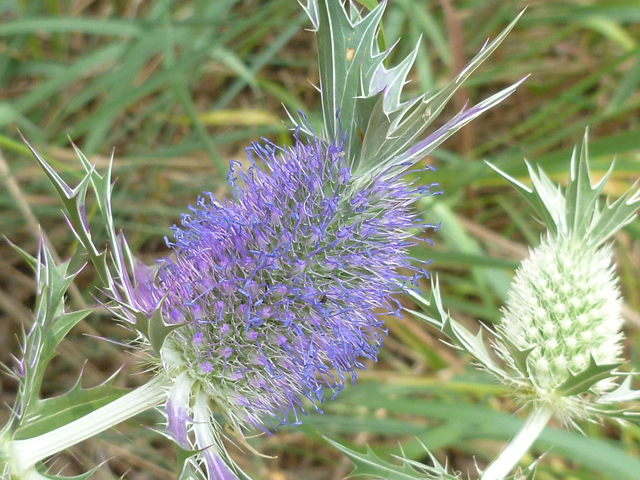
pixel 180 88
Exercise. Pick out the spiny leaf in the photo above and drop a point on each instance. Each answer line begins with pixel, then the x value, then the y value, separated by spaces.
pixel 151 325
pixel 624 393
pixel 398 148
pixel 47 415
pixel 113 268
pixel 73 202
pixel 27 257
pixel 392 127
pixel 344 47
pixel 432 305
pixel 587 378
pixel 42 475
pixel 577 212
pixel 581 197
pixel 187 467
pixel 529 473
pixel 154 328
pixel 372 465
pixel 190 471
pixel 461 338
pixel 102 186
pixel 519 356
pixel 438 471
pixel 583 206
pixel 51 325
pixel 472 344
pixel 544 194
pixel 361 98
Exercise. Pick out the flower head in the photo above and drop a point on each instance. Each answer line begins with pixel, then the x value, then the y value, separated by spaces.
pixel 279 289
pixel 561 332
pixel 560 337
pixel 564 309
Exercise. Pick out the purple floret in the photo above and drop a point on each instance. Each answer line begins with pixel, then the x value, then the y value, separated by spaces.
pixel 282 286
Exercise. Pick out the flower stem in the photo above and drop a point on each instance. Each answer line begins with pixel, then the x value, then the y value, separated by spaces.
pixel 511 455
pixel 24 454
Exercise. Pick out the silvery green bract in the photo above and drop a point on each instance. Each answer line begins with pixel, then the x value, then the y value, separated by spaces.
pixel 271 298
pixel 362 98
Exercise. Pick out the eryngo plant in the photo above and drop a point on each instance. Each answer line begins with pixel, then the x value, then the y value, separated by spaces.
pixel 560 339
pixel 270 298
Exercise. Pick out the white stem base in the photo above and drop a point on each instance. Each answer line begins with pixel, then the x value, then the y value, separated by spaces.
pixel 24 454
pixel 511 455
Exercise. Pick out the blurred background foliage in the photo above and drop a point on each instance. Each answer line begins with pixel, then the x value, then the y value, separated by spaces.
pixel 176 89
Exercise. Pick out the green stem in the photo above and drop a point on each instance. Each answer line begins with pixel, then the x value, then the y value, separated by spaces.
pixel 511 455
pixel 24 454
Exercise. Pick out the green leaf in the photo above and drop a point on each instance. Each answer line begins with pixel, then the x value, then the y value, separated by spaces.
pixel 231 60
pixel 626 87
pixel 461 338
pixel 190 471
pixel 546 199
pixel 519 356
pixel 115 278
pixel 371 465
pixel 154 328
pixel 102 186
pixel 370 4
pixel 392 127
pixel 530 472
pixel 47 415
pixel 361 98
pixel 73 202
pixel 624 393
pixel 587 378
pixel 187 467
pixel 51 325
pixel 94 26
pixel 27 257
pixel 577 212
pixel 344 48
pixel 62 325
pixel 437 472
pixel 80 68
pixel 113 267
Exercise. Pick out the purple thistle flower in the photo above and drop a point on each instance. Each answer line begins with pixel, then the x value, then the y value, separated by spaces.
pixel 280 288
pixel 274 296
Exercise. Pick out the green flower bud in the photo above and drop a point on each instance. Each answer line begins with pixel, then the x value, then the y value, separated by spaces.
pixel 560 340
pixel 561 334
pixel 564 309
